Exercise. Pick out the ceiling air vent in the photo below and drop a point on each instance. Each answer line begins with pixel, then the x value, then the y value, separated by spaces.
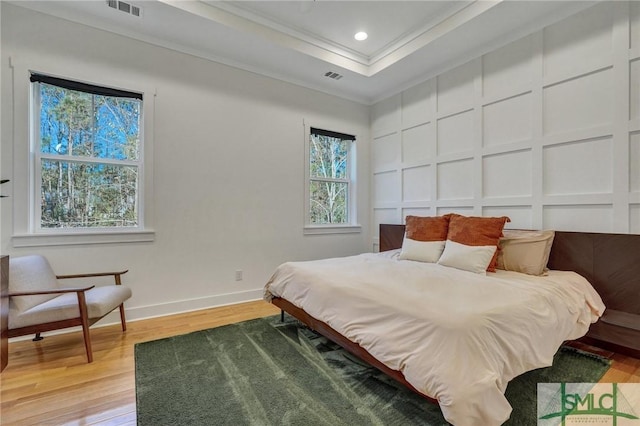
pixel 333 75
pixel 124 7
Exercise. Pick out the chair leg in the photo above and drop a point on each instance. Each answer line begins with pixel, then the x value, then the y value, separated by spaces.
pixel 87 342
pixel 123 321
pixel 84 317
pixel 37 337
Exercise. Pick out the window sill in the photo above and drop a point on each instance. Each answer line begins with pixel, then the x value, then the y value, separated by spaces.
pixel 331 229
pixel 66 239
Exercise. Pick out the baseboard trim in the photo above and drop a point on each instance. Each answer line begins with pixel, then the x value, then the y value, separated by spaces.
pixel 187 305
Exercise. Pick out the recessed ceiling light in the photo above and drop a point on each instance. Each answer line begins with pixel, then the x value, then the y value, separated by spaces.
pixel 361 36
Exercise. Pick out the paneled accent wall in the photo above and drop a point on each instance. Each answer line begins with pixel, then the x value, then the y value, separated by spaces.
pixel 545 130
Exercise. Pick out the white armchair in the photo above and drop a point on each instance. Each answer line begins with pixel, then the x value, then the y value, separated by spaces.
pixel 38 302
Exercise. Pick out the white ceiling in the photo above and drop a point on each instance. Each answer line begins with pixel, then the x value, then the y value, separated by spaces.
pixel 336 22
pixel 300 41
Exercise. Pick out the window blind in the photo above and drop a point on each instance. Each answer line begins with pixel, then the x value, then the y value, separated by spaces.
pixel 84 87
pixel 332 134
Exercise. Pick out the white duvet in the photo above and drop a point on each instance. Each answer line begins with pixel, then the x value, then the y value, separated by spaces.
pixel 457 336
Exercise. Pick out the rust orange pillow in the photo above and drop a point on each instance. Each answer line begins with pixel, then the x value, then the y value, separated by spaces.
pixel 421 228
pixel 424 238
pixel 477 231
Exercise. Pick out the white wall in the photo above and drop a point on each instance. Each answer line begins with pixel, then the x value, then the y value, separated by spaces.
pixel 228 167
pixel 545 130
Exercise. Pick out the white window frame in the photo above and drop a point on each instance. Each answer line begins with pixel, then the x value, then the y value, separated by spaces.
pixel 36 103
pixel 352 225
pixel 27 230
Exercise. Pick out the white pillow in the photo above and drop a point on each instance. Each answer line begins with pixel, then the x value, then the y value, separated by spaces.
pixel 468 258
pixel 421 251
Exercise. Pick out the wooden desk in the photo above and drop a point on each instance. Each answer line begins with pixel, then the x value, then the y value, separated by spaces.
pixel 4 311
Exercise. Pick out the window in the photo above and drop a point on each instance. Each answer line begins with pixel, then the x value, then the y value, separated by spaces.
pixel 330 183
pixel 87 151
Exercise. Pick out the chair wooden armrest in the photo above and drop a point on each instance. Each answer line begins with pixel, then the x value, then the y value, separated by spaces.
pixel 53 291
pixel 116 275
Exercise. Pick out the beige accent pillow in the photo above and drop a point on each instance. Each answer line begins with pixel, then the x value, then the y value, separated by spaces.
pixel 525 251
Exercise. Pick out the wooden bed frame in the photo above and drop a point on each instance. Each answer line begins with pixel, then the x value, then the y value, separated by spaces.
pixel 611 263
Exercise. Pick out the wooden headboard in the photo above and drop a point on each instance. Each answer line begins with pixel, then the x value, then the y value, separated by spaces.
pixel 610 262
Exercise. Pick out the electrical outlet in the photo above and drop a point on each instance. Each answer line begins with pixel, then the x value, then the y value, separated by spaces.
pixel 239 275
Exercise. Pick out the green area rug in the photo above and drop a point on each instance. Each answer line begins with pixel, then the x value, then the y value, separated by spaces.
pixel 263 372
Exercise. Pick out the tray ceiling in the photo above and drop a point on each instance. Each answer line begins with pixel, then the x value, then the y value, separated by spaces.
pixel 301 41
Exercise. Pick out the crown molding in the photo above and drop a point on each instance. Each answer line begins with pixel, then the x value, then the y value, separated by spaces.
pixel 240 18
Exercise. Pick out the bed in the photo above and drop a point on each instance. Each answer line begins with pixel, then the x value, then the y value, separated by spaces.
pixel 609 262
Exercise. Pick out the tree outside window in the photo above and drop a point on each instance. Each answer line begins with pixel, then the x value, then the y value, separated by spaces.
pixel 88 155
pixel 329 177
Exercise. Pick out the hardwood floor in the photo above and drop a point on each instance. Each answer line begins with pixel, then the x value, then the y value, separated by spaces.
pixel 50 382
